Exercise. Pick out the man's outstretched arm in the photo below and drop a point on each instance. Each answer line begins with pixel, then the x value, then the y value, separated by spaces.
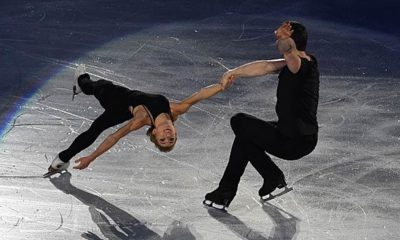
pixel 252 69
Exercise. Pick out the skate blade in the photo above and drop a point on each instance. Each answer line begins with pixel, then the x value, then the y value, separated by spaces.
pixel 272 196
pixel 52 172
pixel 211 204
pixel 48 174
pixel 75 91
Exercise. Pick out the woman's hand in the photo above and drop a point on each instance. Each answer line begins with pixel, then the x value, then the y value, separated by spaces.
pixel 227 79
pixel 83 162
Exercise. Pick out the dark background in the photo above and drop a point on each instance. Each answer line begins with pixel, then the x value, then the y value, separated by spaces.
pixel 64 30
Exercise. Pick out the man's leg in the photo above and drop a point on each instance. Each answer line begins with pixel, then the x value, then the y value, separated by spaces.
pixel 242 152
pixel 259 136
pixel 238 160
pixel 221 197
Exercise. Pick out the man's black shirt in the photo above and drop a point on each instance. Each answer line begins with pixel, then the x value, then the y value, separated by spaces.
pixel 297 99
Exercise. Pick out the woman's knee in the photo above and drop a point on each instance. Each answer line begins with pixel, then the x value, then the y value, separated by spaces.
pixel 84 83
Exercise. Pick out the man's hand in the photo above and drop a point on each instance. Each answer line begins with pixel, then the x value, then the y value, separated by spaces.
pixel 83 162
pixel 284 31
pixel 285 45
pixel 227 79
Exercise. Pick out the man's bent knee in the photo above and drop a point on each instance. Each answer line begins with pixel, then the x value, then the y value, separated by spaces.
pixel 237 122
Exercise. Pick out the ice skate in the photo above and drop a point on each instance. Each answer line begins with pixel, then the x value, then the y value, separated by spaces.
pixel 80 70
pixel 219 199
pixel 57 166
pixel 268 192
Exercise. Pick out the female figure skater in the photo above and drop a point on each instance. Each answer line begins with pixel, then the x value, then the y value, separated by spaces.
pixel 122 104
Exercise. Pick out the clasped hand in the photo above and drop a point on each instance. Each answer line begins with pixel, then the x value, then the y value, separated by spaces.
pixel 227 79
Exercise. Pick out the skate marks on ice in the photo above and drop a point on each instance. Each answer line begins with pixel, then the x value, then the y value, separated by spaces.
pixel 21 177
pixel 355 165
pixel 285 224
pixel 235 225
pixel 129 226
pixel 124 226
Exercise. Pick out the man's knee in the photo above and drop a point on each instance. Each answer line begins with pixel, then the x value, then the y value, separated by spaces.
pixel 237 122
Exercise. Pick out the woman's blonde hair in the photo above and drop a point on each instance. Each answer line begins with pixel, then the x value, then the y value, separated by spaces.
pixel 154 140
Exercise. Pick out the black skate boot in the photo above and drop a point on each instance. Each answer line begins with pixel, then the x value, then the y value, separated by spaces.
pixel 57 166
pixel 268 188
pixel 219 199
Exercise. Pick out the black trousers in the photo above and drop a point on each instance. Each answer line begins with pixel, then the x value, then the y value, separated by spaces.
pixel 108 95
pixel 254 138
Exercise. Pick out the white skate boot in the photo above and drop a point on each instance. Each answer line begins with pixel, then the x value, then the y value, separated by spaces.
pixel 57 166
pixel 81 69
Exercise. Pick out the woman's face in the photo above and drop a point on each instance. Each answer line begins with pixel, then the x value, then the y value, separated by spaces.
pixel 165 135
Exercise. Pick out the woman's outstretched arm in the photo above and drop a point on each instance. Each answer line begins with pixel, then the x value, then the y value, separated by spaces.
pixel 110 141
pixel 181 107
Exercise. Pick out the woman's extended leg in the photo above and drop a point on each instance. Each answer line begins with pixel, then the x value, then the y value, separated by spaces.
pixel 110 96
pixel 85 139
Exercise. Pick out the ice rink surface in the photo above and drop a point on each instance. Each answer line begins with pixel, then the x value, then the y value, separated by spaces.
pixel 348 188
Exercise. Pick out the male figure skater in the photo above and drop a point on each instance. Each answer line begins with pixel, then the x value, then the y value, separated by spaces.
pixel 295 133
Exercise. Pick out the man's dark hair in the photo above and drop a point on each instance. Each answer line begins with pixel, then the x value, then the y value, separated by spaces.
pixel 299 35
